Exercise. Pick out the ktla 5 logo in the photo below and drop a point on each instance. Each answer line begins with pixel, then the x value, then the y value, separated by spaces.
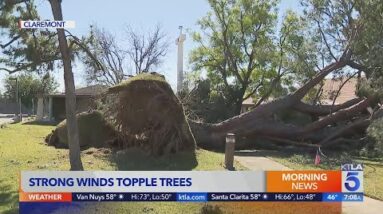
pixel 352 178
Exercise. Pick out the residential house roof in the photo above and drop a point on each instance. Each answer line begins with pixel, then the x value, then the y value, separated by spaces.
pixel 248 101
pixel 92 90
pixel 330 88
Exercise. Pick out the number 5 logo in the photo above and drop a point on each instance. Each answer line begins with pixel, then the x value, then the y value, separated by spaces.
pixel 352 182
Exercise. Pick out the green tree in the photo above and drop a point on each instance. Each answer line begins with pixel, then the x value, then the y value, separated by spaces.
pixel 235 43
pixel 25 50
pixel 30 86
pixel 245 55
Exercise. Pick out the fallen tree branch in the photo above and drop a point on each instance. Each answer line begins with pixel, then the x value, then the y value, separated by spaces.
pixel 339 116
pixel 362 123
pixel 321 110
pixel 350 128
pixel 287 141
pixel 265 127
pixel 302 91
pixel 342 140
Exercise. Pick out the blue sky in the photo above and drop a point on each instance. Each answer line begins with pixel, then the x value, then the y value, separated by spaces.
pixel 113 15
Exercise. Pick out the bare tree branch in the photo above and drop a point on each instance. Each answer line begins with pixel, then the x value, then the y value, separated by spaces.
pixel 11 3
pixel 325 40
pixel 21 67
pixel 105 61
pixel 341 87
pixel 147 51
pixel 10 42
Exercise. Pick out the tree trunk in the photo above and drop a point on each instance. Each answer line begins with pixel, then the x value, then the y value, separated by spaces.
pixel 238 106
pixel 70 96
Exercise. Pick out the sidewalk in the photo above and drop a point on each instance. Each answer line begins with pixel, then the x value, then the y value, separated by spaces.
pixel 253 160
pixel 4 120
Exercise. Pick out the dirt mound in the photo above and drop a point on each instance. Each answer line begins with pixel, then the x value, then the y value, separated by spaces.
pixel 150 116
pixel 94 131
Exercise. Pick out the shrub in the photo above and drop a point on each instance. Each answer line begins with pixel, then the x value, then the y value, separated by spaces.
pixel 375 135
pixel 94 131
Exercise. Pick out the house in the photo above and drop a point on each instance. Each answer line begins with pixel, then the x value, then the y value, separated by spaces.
pixel 329 92
pixel 52 106
pixel 247 105
pixel 331 88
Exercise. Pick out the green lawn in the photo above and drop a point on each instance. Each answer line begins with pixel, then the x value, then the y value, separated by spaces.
pixel 22 147
pixel 373 168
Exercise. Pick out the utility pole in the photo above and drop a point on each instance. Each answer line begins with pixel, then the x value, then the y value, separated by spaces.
pixel 180 60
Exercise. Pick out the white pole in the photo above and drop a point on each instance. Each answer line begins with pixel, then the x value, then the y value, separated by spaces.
pixel 40 108
pixel 180 60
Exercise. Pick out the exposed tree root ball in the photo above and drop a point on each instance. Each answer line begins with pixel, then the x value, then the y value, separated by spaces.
pixel 150 116
pixel 94 131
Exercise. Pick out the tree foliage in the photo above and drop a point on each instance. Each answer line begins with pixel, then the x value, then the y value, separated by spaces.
pixel 24 50
pixel 245 55
pixel 30 86
pixel 375 133
pixel 203 104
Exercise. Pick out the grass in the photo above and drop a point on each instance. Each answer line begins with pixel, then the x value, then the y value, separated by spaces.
pixel 143 77
pixel 22 147
pixel 373 168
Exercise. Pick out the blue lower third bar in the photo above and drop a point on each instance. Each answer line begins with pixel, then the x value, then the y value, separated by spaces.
pixel 192 197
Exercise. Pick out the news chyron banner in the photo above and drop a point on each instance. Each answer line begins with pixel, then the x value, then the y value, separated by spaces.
pixel 193 186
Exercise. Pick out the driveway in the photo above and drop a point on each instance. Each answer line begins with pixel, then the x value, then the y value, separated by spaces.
pixel 6 118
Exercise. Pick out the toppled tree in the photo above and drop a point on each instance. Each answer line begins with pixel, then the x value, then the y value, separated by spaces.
pixel 148 115
pixel 346 36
